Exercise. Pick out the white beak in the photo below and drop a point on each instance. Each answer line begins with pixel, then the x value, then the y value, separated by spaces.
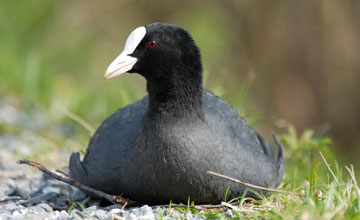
pixel 124 62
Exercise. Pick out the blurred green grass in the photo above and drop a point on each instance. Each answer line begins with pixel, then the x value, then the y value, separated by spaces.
pixel 44 66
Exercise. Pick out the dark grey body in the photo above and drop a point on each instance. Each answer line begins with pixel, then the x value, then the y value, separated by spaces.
pixel 153 160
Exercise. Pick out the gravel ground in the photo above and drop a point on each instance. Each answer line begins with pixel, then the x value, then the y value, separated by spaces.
pixel 26 193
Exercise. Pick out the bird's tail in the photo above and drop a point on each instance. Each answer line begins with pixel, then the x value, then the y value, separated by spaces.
pixel 77 171
pixel 279 158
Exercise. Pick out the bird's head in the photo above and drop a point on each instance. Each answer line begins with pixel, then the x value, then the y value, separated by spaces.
pixel 158 51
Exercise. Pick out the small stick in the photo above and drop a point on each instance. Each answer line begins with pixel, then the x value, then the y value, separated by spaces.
pixel 111 198
pixel 62 172
pixel 125 204
pixel 328 166
pixel 198 207
pixel 201 207
pixel 250 185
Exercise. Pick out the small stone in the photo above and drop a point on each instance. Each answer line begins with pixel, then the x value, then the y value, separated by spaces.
pixel 43 197
pixel 7 187
pixel 36 185
pixel 229 214
pixel 115 216
pixel 17 214
pixel 115 211
pixel 77 215
pixel 135 212
pixel 123 213
pixel 101 214
pixel 36 209
pixel 49 189
pixel 64 213
pixel 116 206
pixel 157 210
pixel 59 201
pixel 24 211
pixel 10 183
pixel 22 188
pixel 44 207
pixel 188 216
pixel 147 217
pixel 131 217
pixel 78 195
pixel 90 211
pixel 42 215
pixel 145 210
pixel 54 215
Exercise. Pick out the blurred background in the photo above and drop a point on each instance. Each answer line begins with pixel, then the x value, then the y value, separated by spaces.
pixel 294 62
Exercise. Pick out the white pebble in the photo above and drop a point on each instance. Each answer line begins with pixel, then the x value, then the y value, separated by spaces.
pixel 17 214
pixel 131 217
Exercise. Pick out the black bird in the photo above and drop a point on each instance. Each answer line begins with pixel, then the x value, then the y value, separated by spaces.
pixel 159 148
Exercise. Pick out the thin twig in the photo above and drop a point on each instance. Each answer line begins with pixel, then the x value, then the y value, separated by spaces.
pixel 111 198
pixel 62 172
pixel 250 185
pixel 198 207
pixel 328 166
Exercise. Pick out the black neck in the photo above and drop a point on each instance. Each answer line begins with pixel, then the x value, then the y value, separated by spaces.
pixel 176 97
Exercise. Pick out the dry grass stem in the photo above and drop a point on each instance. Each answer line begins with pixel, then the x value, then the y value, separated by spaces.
pixel 251 185
pixel 352 176
pixel 328 166
pixel 81 121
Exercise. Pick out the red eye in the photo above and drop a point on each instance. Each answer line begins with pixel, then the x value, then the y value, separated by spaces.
pixel 151 44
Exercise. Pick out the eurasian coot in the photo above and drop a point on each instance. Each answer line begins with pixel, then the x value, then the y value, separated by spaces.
pixel 159 148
